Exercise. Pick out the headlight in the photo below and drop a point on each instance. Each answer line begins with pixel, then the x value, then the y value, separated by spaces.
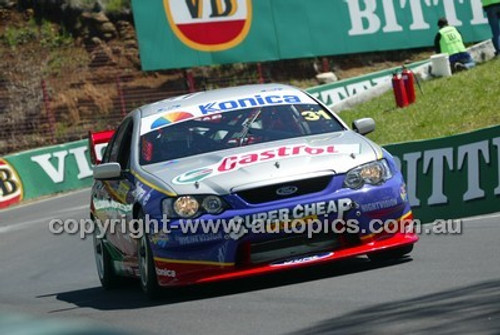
pixel 373 173
pixel 187 207
pixel 212 204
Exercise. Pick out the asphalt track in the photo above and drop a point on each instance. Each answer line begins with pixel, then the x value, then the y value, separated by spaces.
pixel 450 285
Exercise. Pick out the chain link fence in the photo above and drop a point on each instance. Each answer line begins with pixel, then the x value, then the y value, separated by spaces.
pixel 58 90
pixel 38 110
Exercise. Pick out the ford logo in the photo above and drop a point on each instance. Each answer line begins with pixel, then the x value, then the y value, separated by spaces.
pixel 287 190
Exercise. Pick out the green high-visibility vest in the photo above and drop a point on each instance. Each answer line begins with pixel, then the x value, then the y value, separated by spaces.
pixel 489 2
pixel 451 41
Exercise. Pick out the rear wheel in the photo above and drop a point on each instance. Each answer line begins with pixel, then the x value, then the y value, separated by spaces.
pixel 390 254
pixel 147 269
pixel 104 263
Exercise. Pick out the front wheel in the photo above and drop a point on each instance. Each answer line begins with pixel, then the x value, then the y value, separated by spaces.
pixel 104 263
pixel 147 269
pixel 391 254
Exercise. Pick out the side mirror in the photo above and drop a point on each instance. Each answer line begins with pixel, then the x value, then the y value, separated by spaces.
pixel 107 171
pixel 363 126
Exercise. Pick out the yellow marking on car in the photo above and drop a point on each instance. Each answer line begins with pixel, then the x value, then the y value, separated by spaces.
pixel 195 262
pixel 153 186
pixel 404 217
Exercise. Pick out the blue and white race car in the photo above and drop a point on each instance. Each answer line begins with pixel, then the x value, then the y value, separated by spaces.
pixel 241 181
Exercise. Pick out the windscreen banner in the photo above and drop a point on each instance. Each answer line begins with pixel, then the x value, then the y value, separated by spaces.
pixel 188 33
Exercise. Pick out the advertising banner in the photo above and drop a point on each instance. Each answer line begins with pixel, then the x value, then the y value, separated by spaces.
pixel 452 177
pixel 35 173
pixel 188 33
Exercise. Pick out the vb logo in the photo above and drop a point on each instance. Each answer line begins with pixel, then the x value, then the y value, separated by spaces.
pixel 11 188
pixel 209 25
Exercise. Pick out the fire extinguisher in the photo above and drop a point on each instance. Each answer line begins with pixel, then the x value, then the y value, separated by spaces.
pixel 409 82
pixel 398 86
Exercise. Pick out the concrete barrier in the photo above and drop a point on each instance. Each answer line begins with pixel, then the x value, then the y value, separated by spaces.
pixel 344 95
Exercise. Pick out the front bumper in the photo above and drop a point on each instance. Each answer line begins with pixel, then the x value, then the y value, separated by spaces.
pixel 178 273
pixel 200 257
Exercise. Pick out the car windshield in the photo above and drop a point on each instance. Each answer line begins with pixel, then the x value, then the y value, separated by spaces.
pixel 233 129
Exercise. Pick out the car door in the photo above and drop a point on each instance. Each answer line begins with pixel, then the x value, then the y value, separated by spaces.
pixel 117 193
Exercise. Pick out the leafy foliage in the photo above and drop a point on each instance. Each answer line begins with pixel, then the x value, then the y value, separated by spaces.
pixel 47 34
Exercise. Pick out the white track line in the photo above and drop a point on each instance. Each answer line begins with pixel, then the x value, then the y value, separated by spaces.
pixel 26 224
pixel 36 202
pixel 481 217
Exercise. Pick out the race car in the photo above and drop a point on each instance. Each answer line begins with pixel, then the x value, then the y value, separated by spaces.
pixel 241 181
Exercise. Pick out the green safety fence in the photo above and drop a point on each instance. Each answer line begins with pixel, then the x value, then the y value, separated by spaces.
pixel 188 33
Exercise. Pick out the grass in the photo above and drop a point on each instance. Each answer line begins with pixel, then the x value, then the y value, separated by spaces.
pixel 47 34
pixel 464 102
pixel 62 60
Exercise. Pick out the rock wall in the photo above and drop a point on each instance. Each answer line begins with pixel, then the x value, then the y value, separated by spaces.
pixel 81 19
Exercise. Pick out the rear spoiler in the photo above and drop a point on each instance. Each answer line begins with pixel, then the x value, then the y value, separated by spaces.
pixel 97 142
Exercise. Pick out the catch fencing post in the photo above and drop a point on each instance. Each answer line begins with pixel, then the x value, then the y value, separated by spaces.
pixel 121 96
pixel 260 73
pixel 188 75
pixel 326 65
pixel 48 110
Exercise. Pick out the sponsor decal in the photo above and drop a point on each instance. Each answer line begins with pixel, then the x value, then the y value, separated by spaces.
pixel 11 187
pixel 276 220
pixel 139 191
pixel 166 273
pixel 169 108
pixel 122 192
pixel 210 112
pixel 383 204
pixel 236 162
pixel 303 260
pixel 209 25
pixel 304 212
pixel 140 194
pixel 256 100
pixel 197 239
pixel 193 176
pixel 169 118
pixel 161 239
pixel 274 89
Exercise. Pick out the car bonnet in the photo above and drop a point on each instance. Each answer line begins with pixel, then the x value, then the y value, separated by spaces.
pixel 223 172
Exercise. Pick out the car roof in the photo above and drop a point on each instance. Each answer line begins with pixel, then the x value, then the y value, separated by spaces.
pixel 212 95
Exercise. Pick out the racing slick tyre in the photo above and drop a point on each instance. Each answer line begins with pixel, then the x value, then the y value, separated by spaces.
pixel 147 269
pixel 104 263
pixel 392 254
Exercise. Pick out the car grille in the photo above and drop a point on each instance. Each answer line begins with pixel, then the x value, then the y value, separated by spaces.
pixel 270 192
pixel 265 252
